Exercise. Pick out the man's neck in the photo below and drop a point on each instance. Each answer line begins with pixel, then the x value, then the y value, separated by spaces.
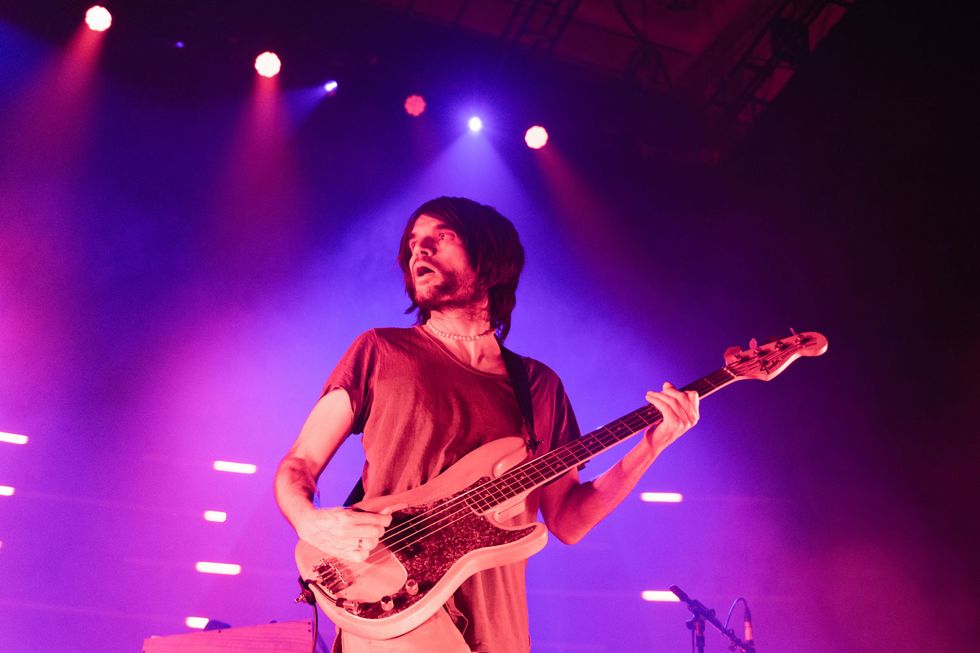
pixel 470 321
pixel 480 353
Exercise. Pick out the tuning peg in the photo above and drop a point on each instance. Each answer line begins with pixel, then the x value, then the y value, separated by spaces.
pixel 792 331
pixel 753 343
pixel 733 354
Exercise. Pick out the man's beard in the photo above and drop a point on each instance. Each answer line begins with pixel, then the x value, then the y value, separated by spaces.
pixel 450 292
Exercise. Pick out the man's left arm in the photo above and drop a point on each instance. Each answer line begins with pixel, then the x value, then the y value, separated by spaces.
pixel 571 508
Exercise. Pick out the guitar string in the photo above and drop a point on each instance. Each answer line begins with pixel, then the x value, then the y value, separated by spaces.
pixel 415 532
pixel 411 526
pixel 426 524
pixel 542 466
pixel 647 416
pixel 462 514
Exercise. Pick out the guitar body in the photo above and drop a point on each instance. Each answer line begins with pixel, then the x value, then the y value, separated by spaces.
pixel 438 541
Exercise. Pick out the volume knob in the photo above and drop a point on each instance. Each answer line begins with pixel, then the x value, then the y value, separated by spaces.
pixel 411 587
pixel 387 603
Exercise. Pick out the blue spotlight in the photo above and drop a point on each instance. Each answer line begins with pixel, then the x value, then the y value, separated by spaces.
pixel 331 87
pixel 475 124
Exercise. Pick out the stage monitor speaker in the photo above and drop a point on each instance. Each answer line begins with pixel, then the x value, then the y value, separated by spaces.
pixel 284 637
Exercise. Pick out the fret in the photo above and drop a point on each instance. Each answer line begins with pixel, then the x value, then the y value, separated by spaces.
pixel 549 466
pixel 511 484
pixel 496 493
pixel 473 502
pixel 479 503
pixel 533 478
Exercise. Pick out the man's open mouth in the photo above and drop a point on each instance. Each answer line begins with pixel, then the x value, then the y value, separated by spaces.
pixel 422 270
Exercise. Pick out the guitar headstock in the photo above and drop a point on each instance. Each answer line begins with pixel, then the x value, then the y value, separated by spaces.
pixel 766 361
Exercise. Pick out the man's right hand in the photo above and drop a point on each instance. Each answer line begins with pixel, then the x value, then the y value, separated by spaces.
pixel 342 532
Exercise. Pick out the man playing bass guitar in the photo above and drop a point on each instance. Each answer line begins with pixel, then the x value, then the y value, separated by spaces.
pixel 426 396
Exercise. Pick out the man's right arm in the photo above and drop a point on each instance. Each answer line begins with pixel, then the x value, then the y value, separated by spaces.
pixel 342 532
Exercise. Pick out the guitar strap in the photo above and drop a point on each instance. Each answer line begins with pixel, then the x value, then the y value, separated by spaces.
pixel 517 370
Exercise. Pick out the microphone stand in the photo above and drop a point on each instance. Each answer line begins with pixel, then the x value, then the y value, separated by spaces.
pixel 703 614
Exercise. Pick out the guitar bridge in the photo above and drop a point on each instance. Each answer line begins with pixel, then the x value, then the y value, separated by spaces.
pixel 331 576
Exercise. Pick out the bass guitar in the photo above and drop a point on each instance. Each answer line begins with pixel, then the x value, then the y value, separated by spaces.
pixel 454 525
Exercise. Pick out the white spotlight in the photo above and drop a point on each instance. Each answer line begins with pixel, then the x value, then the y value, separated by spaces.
pixel 98 18
pixel 13 438
pixel 267 64
pixel 223 568
pixel 236 468
pixel 536 137
pixel 475 124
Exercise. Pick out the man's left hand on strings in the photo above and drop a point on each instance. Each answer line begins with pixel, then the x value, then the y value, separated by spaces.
pixel 680 412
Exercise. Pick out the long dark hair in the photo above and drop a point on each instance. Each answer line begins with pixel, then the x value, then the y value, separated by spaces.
pixel 494 249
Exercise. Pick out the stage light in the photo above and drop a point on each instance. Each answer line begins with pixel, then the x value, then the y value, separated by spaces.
pixel 12 438
pixel 6 491
pixel 267 64
pixel 179 45
pixel 536 137
pixel 236 468
pixel 330 88
pixel 475 124
pixel 98 18
pixel 215 516
pixel 663 596
pixel 197 622
pixel 662 497
pixel 222 568
pixel 415 105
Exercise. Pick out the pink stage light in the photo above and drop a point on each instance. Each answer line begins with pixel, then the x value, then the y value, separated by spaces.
pixel 221 568
pixel 12 438
pixel 236 468
pixel 660 596
pixel 536 137
pixel 197 622
pixel 415 105
pixel 6 491
pixel 662 497
pixel 215 516
pixel 98 18
pixel 267 64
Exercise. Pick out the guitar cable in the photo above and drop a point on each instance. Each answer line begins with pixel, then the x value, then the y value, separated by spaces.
pixel 745 607
pixel 306 596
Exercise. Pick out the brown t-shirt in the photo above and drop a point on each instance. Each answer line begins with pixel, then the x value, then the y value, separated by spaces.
pixel 421 409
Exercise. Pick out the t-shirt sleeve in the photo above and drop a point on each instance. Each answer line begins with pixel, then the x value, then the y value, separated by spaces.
pixel 565 425
pixel 355 373
pixel 554 419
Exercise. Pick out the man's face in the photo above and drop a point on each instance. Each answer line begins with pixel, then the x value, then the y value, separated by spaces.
pixel 441 272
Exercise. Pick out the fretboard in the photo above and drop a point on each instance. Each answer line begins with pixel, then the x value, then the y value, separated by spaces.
pixel 538 471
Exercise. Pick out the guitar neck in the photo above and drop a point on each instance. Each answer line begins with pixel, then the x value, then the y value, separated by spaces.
pixel 538 471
